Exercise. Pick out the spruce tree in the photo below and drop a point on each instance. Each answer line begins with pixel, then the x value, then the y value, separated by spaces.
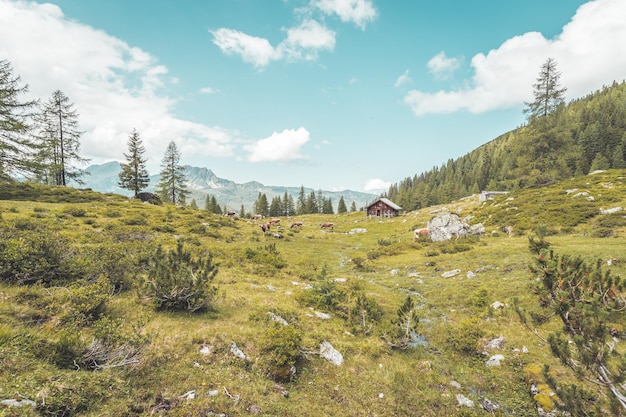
pixel 301 203
pixel 16 147
pixel 353 206
pixel 172 187
pixel 134 175
pixel 341 206
pixel 59 141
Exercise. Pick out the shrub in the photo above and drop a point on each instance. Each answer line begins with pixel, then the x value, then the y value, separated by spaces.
pixel 176 281
pixel 30 253
pixel 464 336
pixel 75 211
pixel 281 348
pixel 82 304
pixel 364 313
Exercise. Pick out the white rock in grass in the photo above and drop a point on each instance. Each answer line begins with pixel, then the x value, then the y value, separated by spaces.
pixel 495 360
pixel 323 316
pixel 237 352
pixel 463 400
pixel 328 352
pixel 450 274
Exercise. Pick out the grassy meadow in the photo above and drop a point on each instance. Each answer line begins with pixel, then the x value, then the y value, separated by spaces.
pixel 105 243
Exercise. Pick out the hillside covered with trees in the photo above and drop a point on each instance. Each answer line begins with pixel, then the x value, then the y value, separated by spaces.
pixel 572 139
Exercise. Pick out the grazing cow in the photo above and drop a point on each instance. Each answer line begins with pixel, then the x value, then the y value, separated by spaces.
pixel 417 233
pixel 274 221
pixel 257 217
pixel 265 227
pixel 296 224
pixel 231 213
pixel 277 235
pixel 328 226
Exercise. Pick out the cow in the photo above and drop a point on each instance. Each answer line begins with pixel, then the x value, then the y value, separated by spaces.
pixel 231 213
pixel 257 217
pixel 328 225
pixel 296 224
pixel 274 221
pixel 265 227
pixel 417 233
pixel 277 235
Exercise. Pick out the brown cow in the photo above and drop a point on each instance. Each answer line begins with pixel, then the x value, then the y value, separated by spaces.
pixel 257 217
pixel 417 233
pixel 296 224
pixel 328 225
pixel 274 221
pixel 265 227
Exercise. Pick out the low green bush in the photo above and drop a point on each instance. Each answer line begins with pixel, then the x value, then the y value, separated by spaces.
pixel 281 347
pixel 177 281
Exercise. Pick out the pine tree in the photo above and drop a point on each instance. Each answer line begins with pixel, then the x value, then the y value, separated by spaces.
pixel 193 204
pixel 59 141
pixel 16 148
pixel 134 175
pixel 172 187
pixel 406 324
pixel 242 212
pixel 353 206
pixel 341 206
pixel 590 304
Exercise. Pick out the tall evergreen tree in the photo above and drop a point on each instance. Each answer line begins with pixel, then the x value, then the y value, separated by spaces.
pixel 276 207
pixel 301 203
pixel 242 212
pixel 548 93
pixel 59 139
pixel 341 206
pixel 328 206
pixel 353 206
pixel 134 175
pixel 16 148
pixel 172 187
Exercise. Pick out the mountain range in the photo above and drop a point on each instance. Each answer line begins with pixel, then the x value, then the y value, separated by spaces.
pixel 202 182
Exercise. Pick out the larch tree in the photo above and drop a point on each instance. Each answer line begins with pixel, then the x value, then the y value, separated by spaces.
pixel 547 91
pixel 134 175
pixel 172 187
pixel 59 141
pixel 16 147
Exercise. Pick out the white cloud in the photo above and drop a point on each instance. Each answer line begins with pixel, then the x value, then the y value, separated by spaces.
pixel 587 52
pixel 305 40
pixel 376 185
pixel 441 66
pixel 302 43
pixel 358 12
pixel 403 79
pixel 114 87
pixel 257 51
pixel 208 90
pixel 284 146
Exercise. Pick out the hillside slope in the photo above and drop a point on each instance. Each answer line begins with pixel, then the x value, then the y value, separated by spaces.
pixel 60 342
pixel 586 135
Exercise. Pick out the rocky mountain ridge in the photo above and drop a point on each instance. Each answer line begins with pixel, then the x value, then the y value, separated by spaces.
pixel 202 182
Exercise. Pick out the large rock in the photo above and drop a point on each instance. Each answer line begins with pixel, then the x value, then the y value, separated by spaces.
pixel 446 226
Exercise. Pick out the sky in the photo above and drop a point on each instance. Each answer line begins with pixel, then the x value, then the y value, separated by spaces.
pixel 328 94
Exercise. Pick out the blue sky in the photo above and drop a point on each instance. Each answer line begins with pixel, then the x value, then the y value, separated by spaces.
pixel 329 94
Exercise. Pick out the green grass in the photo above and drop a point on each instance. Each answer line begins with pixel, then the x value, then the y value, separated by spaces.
pixel 260 274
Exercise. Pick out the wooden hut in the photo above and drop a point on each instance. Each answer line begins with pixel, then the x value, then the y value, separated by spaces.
pixel 382 207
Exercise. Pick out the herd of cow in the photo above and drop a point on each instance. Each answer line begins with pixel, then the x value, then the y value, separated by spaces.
pixel 265 227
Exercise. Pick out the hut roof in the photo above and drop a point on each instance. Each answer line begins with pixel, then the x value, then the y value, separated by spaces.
pixel 387 202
